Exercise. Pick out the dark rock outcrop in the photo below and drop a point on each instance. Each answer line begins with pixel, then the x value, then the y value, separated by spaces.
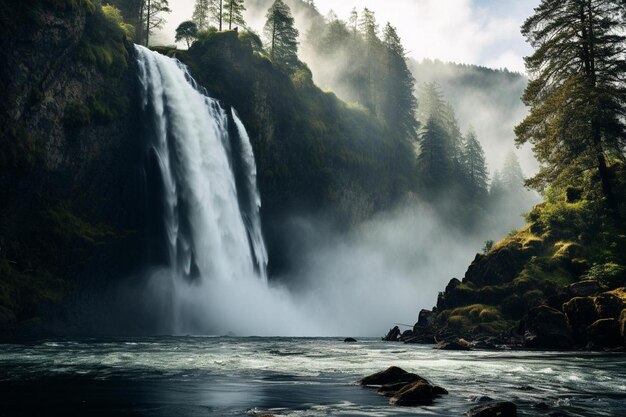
pixel 544 327
pixel 393 335
pixel 494 409
pixel 349 340
pixel 585 288
pixel 460 344
pixel 604 333
pixel 390 376
pixel 622 325
pixel 417 393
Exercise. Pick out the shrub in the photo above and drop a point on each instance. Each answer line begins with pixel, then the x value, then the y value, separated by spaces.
pixel 76 114
pixel 610 274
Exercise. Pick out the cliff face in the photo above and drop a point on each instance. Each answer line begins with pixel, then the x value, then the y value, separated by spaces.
pixel 560 282
pixel 69 152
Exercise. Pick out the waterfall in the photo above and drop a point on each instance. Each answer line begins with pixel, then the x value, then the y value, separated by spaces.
pixel 207 175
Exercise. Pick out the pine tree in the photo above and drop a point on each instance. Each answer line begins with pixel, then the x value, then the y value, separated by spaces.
pixel 152 16
pixel 512 174
pixel 433 161
pixel 201 14
pixel 399 103
pixel 577 92
pixel 353 21
pixel 281 35
pixel 474 167
pixel 233 13
pixel 216 12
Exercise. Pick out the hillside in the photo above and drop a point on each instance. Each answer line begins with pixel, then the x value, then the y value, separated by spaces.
pixel 559 282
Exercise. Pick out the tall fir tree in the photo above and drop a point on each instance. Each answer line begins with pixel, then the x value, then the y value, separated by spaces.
pixel 433 161
pixel 233 13
pixel 281 35
pixel 216 12
pixel 399 105
pixel 474 168
pixel 576 93
pixel 201 14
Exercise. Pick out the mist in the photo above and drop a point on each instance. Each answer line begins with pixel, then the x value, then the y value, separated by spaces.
pixel 384 270
pixel 358 283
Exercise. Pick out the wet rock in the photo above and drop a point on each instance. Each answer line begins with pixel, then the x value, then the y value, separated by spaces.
pixel 407 334
pixel 622 325
pixel 481 399
pixel 393 335
pixel 426 318
pixel 460 344
pixel 391 375
pixel 585 288
pixel 546 328
pixel 608 306
pixel 390 390
pixel 417 393
pixel 349 340
pixel 494 409
pixel 580 312
pixel 605 333
pixel 437 390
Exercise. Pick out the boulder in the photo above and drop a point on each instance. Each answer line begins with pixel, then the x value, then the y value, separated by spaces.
pixel 460 344
pixel 546 328
pixel 437 390
pixel 390 390
pixel 622 325
pixel 393 335
pixel 417 393
pixel 391 375
pixel 608 306
pixel 580 312
pixel 585 288
pixel 349 340
pixel 406 335
pixel 604 333
pixel 494 409
pixel 426 318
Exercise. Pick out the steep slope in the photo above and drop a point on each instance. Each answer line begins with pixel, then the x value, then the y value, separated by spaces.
pixel 67 150
pixel 557 283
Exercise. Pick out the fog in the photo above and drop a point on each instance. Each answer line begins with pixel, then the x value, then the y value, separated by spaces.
pixel 355 284
pixel 361 282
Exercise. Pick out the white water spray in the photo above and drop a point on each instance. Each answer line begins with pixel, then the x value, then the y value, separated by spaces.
pixel 213 230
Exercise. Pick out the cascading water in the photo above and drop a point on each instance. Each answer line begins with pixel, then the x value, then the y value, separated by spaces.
pixel 210 201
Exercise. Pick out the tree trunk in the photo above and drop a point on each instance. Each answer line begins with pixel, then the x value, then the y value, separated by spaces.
pixel 221 17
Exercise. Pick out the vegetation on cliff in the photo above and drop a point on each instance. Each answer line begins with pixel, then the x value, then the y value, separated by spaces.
pixel 560 281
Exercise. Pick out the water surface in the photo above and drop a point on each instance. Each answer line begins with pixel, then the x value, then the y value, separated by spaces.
pixel 204 376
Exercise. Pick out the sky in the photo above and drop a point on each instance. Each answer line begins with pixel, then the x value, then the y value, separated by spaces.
pixel 481 32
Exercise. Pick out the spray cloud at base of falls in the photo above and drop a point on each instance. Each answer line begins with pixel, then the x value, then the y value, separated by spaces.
pixel 201 163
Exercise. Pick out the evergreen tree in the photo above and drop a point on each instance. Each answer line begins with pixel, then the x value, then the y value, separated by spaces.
pixel 474 168
pixel 399 105
pixel 512 175
pixel 233 13
pixel 201 14
pixel 216 12
pixel 281 35
pixel 433 161
pixel 186 31
pixel 577 92
pixel 152 16
pixel 353 21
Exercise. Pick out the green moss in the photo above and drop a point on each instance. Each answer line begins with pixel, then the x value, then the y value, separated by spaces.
pixel 76 114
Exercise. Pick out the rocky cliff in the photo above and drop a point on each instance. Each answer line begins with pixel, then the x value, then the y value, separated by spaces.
pixel 557 283
pixel 69 153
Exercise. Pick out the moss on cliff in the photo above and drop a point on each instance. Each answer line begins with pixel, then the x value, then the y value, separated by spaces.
pixel 571 239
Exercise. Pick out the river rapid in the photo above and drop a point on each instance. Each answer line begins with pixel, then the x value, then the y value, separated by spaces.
pixel 231 376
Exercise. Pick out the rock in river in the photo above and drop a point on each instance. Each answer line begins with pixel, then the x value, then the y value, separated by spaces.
pixel 349 340
pixel 546 328
pixel 494 409
pixel 391 375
